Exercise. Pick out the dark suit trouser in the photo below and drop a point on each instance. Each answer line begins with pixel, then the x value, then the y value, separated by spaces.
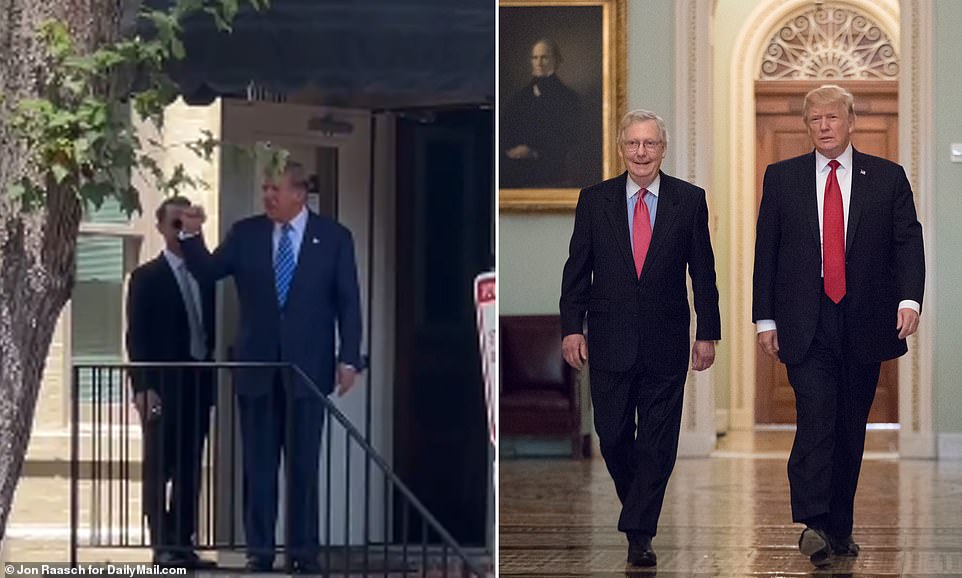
pixel 833 395
pixel 173 444
pixel 267 428
pixel 639 458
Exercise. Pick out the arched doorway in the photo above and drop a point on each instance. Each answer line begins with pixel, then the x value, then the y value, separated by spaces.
pixel 908 24
pixel 815 45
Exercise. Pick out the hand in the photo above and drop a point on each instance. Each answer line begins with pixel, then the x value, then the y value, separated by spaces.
pixel 192 218
pixel 147 404
pixel 521 152
pixel 346 378
pixel 768 340
pixel 574 349
pixel 908 322
pixel 702 355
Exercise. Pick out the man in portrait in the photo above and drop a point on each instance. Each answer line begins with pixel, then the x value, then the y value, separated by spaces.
pixel 541 126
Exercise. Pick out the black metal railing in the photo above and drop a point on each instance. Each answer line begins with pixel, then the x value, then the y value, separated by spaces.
pixel 134 476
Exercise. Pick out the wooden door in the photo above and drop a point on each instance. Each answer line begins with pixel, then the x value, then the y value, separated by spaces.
pixel 780 135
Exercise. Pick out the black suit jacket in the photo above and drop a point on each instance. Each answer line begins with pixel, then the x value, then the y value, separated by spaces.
pixel 884 259
pixel 624 310
pixel 157 326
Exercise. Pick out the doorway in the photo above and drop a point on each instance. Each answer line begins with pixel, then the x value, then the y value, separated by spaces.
pixel 781 134
pixel 445 238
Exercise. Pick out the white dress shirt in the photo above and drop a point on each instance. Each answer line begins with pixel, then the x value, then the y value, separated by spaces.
pixel 298 226
pixel 844 175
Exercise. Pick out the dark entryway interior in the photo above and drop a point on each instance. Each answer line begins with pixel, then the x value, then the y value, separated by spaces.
pixel 445 238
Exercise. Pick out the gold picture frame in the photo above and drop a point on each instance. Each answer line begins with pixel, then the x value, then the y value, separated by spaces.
pixel 520 26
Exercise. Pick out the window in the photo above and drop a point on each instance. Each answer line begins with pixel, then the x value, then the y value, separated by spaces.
pixel 97 308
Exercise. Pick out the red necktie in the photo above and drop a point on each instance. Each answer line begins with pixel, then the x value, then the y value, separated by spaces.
pixel 640 231
pixel 833 237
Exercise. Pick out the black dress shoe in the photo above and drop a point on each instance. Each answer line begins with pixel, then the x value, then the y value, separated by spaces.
pixel 192 561
pixel 640 552
pixel 844 546
pixel 814 543
pixel 167 559
pixel 259 564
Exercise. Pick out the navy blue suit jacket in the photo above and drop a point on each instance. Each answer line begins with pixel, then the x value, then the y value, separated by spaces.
pixel 323 298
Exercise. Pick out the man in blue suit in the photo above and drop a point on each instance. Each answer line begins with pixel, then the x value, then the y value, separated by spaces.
pixel 296 281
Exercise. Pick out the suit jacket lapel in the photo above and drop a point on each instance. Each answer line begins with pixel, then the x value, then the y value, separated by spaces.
pixel 265 239
pixel 170 283
pixel 809 188
pixel 617 211
pixel 303 255
pixel 857 199
pixel 664 218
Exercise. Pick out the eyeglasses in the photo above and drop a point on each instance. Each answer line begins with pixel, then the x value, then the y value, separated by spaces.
pixel 650 145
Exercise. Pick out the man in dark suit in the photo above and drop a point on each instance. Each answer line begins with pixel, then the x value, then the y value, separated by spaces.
pixel 296 281
pixel 170 318
pixel 634 236
pixel 839 275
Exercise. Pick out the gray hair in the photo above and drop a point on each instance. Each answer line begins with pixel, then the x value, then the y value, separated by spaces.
pixel 641 115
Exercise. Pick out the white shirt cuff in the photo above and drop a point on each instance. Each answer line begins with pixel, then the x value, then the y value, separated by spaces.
pixel 909 304
pixel 763 325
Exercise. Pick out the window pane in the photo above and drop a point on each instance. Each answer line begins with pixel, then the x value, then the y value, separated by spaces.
pixel 97 309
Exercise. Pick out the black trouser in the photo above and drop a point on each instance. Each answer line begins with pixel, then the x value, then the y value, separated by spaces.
pixel 173 446
pixel 639 458
pixel 833 395
pixel 267 427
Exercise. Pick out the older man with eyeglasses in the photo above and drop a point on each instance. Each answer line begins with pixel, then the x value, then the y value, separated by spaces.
pixel 634 238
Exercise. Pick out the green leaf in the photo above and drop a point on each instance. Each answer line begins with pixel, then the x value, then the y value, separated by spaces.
pixel 95 193
pixel 129 198
pixel 16 191
pixel 230 8
pixel 60 173
pixel 177 48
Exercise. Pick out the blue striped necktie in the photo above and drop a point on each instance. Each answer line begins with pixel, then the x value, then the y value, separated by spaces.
pixel 284 264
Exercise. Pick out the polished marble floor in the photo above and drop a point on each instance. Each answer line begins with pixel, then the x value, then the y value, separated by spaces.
pixel 729 515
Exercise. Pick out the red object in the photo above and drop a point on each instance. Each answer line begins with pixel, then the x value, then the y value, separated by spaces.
pixel 641 231
pixel 833 237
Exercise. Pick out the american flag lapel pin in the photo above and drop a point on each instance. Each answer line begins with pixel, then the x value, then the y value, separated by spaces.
pixel 316 242
pixel 861 171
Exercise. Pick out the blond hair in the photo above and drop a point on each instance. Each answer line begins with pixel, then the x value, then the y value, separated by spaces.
pixel 829 94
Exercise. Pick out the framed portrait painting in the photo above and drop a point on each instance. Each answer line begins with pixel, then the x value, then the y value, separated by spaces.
pixel 562 91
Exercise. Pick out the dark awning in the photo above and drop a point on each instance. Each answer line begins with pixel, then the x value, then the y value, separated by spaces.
pixel 379 54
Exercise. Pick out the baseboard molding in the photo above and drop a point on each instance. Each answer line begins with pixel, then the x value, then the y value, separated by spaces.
pixel 916 446
pixel 950 446
pixel 695 445
pixel 722 421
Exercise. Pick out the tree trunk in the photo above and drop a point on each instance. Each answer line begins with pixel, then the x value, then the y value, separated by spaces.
pixel 37 249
